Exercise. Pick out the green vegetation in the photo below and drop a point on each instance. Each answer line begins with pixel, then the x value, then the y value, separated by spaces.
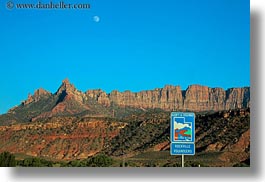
pixel 164 159
pixel 35 162
pixel 7 160
pixel 95 161
pixel 217 128
pixel 100 161
pixel 142 132
pixel 245 163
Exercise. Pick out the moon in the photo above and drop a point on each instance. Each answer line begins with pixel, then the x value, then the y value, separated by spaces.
pixel 96 19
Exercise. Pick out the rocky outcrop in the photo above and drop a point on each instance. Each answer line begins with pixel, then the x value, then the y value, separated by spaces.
pixel 70 101
pixel 60 138
pixel 67 91
pixel 38 94
pixel 100 96
pixel 240 151
pixel 195 98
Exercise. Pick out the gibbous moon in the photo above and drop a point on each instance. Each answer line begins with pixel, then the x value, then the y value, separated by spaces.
pixel 96 19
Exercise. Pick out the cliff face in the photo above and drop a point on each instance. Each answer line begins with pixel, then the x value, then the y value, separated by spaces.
pixel 65 138
pixel 69 101
pixel 195 98
pixel 38 95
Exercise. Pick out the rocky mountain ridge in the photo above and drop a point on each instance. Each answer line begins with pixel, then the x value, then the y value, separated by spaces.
pixel 69 101
pixel 195 97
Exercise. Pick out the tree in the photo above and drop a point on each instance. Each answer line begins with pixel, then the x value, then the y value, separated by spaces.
pixel 36 162
pixel 7 160
pixel 100 161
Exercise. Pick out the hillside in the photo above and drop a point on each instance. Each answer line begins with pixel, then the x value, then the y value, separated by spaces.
pixel 63 138
pixel 73 125
pixel 226 135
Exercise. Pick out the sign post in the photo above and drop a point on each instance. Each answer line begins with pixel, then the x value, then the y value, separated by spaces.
pixel 182 161
pixel 182 134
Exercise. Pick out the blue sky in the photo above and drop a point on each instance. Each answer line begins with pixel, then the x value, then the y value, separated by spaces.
pixel 137 45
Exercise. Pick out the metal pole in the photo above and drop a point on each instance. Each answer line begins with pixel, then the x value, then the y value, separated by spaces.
pixel 123 161
pixel 182 160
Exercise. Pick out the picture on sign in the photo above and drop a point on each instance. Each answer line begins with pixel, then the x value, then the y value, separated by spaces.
pixel 182 127
pixel 182 130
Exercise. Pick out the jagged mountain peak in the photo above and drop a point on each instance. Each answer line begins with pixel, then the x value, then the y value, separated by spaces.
pixel 66 81
pixel 41 92
pixel 66 87
pixel 38 94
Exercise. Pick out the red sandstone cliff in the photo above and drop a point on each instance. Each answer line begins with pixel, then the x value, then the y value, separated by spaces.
pixel 69 101
pixel 195 98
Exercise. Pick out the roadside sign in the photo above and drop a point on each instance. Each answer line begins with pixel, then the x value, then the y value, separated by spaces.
pixel 182 149
pixel 182 133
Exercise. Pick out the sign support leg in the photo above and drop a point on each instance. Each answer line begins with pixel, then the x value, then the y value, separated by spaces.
pixel 182 156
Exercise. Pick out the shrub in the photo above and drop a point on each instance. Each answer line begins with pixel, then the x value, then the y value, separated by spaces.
pixel 100 161
pixel 7 160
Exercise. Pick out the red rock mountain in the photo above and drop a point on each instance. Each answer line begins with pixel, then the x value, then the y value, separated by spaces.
pixel 71 124
pixel 68 101
pixel 195 98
